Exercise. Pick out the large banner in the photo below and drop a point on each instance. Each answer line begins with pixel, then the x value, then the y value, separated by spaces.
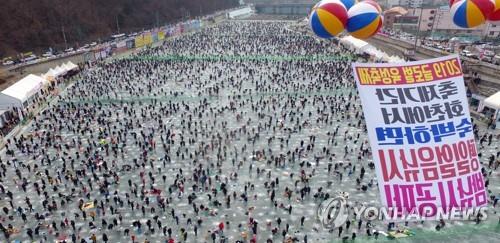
pixel 421 135
pixel 161 35
pixel 139 41
pixel 121 46
pixel 148 38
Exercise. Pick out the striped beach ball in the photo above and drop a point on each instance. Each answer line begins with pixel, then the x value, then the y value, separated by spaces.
pixel 494 17
pixel 364 20
pixel 328 18
pixel 471 13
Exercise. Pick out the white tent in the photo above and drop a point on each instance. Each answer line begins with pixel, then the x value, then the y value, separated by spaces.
pixel 362 46
pixel 44 78
pixel 51 74
pixel 493 101
pixel 71 66
pixel 395 59
pixel 357 44
pixel 59 71
pixel 373 51
pixel 66 67
pixel 18 93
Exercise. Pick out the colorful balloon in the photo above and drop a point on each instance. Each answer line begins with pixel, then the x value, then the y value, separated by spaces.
pixel 349 3
pixel 316 6
pixel 323 2
pixel 494 17
pixel 364 20
pixel 452 2
pixel 471 13
pixel 328 19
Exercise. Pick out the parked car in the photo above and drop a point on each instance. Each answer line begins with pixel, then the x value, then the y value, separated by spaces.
pixel 48 54
pixel 82 49
pixel 489 53
pixel 29 58
pixel 469 54
pixel 7 62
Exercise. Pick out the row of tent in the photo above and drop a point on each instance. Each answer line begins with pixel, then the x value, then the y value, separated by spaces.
pixel 20 93
pixel 59 71
pixel 23 91
pixel 363 47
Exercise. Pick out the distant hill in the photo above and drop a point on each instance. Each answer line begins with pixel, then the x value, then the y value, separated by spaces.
pixel 36 25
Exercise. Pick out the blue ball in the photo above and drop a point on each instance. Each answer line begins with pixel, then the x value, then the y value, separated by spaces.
pixel 349 3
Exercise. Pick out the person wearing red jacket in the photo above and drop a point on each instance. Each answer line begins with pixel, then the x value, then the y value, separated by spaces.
pixel 221 227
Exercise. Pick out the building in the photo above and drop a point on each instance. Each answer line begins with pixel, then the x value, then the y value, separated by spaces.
pixel 391 3
pixel 408 20
pixel 391 14
pixel 491 31
pixel 283 7
pixel 406 23
pixel 436 22
pixel 411 3
pixel 428 17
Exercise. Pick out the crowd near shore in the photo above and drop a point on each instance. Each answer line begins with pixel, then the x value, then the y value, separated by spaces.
pixel 216 136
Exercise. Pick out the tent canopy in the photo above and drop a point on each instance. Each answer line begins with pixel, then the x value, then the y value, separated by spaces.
pixel 395 59
pixel 493 101
pixel 51 73
pixel 59 71
pixel 66 67
pixel 25 88
pixel 358 44
pixel 377 53
pixel 362 46
pixel 70 66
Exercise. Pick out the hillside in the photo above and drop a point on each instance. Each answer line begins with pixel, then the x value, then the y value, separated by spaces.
pixel 36 25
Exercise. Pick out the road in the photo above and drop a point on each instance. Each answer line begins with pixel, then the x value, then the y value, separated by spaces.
pixel 489 73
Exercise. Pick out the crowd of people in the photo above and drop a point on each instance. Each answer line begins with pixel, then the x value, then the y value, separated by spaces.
pixel 215 136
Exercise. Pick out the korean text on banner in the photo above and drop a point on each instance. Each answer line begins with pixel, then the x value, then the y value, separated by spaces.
pixel 421 135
